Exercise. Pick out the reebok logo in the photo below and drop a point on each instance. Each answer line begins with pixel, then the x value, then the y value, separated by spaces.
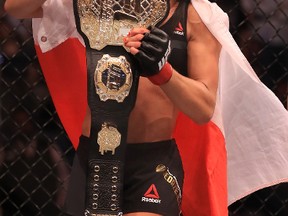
pixel 151 195
pixel 179 29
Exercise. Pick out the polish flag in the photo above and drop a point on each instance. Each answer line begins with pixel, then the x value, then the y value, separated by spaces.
pixel 241 150
pixel 253 122
pixel 64 69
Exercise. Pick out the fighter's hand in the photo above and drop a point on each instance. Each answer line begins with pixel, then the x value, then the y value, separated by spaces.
pixel 151 47
pixel 133 40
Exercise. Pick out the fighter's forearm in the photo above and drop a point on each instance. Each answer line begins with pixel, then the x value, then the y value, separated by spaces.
pixel 22 9
pixel 191 97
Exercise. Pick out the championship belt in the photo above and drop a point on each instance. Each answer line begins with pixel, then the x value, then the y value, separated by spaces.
pixel 112 89
pixel 106 22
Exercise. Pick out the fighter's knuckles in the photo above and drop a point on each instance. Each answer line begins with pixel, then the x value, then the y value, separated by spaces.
pixel 137 31
pixel 134 51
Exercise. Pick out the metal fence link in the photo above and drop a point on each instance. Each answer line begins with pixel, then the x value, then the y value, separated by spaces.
pixel 35 153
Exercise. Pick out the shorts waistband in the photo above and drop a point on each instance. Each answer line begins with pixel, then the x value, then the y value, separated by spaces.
pixel 146 145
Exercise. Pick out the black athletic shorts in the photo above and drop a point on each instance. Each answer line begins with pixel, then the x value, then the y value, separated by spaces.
pixel 153 179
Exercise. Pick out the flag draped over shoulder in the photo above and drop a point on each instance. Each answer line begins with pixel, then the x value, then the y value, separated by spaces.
pixel 247 134
pixel 251 118
pixel 64 69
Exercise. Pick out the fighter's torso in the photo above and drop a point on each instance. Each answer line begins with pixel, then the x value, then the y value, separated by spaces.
pixel 153 117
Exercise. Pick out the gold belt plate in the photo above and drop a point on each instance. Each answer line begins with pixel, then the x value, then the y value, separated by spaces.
pixel 108 139
pixel 113 78
pixel 106 22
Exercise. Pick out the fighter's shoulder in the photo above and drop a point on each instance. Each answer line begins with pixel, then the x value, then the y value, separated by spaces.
pixel 192 15
pixel 195 25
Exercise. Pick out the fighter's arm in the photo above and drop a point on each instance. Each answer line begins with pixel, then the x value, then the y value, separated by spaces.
pixel 194 95
pixel 22 9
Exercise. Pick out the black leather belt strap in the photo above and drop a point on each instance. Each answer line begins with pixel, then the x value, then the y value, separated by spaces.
pixel 104 188
pixel 109 124
pixel 112 92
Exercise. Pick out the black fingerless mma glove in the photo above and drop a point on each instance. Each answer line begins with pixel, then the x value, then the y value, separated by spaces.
pixel 153 54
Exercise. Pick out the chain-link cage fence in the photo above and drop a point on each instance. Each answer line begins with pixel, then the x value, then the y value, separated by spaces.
pixel 35 153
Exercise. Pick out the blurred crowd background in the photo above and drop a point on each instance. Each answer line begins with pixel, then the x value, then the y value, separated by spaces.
pixel 35 153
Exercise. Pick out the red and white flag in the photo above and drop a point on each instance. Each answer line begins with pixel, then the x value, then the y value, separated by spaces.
pixel 253 122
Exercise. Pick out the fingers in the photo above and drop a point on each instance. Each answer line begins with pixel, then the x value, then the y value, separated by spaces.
pixel 133 40
pixel 131 44
pixel 133 51
pixel 137 31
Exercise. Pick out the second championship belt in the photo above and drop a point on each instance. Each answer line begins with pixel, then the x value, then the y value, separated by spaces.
pixel 112 88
